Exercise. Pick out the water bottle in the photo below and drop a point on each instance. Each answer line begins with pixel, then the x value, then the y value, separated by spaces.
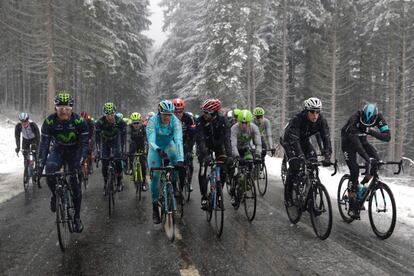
pixel 361 192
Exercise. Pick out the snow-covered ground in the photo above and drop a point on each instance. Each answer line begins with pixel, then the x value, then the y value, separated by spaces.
pixel 404 194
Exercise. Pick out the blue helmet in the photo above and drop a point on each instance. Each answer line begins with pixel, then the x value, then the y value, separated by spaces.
pixel 166 106
pixel 369 114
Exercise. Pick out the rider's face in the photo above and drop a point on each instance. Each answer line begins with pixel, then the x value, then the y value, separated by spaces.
pixel 244 126
pixel 178 114
pixel 64 112
pixel 313 115
pixel 110 118
pixel 165 118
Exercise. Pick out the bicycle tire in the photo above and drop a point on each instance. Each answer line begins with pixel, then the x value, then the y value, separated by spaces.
pixel 25 180
pixel 61 224
pixel 249 192
pixel 294 212
pixel 169 222
pixel 219 211
pixel 318 204
pixel 382 187
pixel 262 175
pixel 188 178
pixel 110 193
pixel 284 170
pixel 343 200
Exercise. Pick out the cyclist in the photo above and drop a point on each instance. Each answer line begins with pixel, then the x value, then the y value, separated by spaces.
pixel 68 133
pixel 243 134
pixel 354 140
pixel 91 131
pixel 265 131
pixel 138 142
pixel 165 139
pixel 296 140
pixel 188 126
pixel 111 135
pixel 31 137
pixel 212 135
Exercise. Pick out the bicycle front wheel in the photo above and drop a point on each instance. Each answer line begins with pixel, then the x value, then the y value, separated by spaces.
pixel 111 193
pixel 382 211
pixel 249 199
pixel 343 198
pixel 284 169
pixel 62 224
pixel 169 222
pixel 26 179
pixel 261 178
pixel 320 209
pixel 218 210
pixel 293 205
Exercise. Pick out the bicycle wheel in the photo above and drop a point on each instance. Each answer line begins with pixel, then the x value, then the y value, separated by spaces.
pixel 284 170
pixel 294 210
pixel 61 224
pixel 382 211
pixel 320 210
pixel 343 199
pixel 261 175
pixel 249 199
pixel 85 175
pixel 138 179
pixel 26 179
pixel 169 222
pixel 110 193
pixel 218 210
pixel 186 186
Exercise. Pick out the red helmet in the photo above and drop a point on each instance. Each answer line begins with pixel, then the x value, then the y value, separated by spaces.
pixel 211 105
pixel 84 115
pixel 179 104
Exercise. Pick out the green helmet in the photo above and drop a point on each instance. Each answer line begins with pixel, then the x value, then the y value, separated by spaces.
pixel 109 108
pixel 135 117
pixel 258 111
pixel 63 98
pixel 236 112
pixel 245 116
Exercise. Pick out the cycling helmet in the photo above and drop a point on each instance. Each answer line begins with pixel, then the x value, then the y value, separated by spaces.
pixel 150 114
pixel 135 117
pixel 84 115
pixel 230 114
pixel 258 111
pixel 313 104
pixel 211 105
pixel 236 112
pixel 191 114
pixel 245 116
pixel 63 98
pixel 369 114
pixel 109 108
pixel 166 107
pixel 179 104
pixel 23 117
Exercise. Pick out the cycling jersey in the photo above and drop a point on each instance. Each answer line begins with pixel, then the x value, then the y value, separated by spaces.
pixel 265 131
pixel 241 139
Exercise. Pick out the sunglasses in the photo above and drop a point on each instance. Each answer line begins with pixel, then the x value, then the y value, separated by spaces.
pixel 63 108
pixel 314 111
pixel 259 117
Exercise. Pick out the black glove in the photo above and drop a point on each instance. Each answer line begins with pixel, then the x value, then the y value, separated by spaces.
pixel 162 153
pixel 327 161
pixel 207 159
pixel 17 150
pixel 273 152
pixel 257 157
pixel 179 165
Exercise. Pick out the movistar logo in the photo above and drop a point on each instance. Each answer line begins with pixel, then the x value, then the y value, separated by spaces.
pixel 78 121
pixel 66 138
pixel 49 121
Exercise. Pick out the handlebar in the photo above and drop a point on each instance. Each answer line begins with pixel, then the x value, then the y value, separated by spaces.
pixel 320 163
pixel 60 173
pixel 384 163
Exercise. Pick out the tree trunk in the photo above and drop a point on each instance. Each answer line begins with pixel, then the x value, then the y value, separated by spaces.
pixel 284 91
pixel 50 58
pixel 333 89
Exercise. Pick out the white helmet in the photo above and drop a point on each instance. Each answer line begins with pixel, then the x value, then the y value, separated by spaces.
pixel 150 114
pixel 23 116
pixel 313 104
pixel 230 114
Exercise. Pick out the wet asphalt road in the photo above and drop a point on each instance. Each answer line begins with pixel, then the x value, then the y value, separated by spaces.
pixel 129 244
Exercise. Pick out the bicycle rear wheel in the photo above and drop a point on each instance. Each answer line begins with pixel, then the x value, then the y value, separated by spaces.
pixel 284 169
pixel 294 211
pixel 186 186
pixel 85 175
pixel 218 210
pixel 169 222
pixel 62 225
pixel 320 210
pixel 249 199
pixel 343 199
pixel 261 178
pixel 382 211
pixel 26 179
